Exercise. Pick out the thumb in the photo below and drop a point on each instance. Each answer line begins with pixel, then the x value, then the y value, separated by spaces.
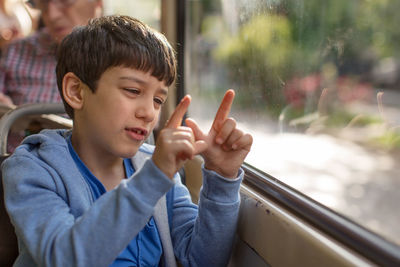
pixel 198 133
pixel 200 138
pixel 200 147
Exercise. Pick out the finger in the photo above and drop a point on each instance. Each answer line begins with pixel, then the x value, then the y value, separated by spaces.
pixel 185 149
pixel 224 109
pixel 200 144
pixel 176 118
pixel 225 131
pixel 235 135
pixel 183 132
pixel 198 133
pixel 244 142
pixel 183 139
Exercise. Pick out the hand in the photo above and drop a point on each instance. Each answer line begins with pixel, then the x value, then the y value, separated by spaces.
pixel 227 146
pixel 176 144
pixel 6 100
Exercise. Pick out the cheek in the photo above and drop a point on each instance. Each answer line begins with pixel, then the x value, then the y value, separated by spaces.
pixel 81 15
pixel 105 114
pixel 155 124
pixel 114 115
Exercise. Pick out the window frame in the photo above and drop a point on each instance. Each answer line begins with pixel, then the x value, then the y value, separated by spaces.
pixel 341 228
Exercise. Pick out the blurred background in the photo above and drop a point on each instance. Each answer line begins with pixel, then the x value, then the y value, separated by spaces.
pixel 318 86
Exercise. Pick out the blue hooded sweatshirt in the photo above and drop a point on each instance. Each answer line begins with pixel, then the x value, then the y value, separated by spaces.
pixel 58 223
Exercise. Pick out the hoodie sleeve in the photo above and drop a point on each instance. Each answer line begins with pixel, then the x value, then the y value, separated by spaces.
pixel 39 205
pixel 214 221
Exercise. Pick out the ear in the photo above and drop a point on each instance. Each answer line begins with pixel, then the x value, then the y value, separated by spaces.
pixel 73 90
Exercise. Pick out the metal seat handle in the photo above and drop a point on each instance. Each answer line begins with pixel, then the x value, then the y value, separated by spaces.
pixel 12 115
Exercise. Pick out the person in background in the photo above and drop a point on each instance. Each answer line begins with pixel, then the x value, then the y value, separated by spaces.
pixel 17 20
pixel 27 66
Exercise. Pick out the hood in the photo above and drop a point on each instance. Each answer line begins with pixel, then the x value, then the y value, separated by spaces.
pixel 44 138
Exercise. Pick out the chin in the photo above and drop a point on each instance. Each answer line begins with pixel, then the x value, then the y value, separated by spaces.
pixel 129 153
pixel 59 36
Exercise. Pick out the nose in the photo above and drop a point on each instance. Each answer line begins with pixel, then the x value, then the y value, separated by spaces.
pixel 52 11
pixel 146 110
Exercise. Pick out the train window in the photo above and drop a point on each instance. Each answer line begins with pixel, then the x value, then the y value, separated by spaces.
pixel 148 11
pixel 317 85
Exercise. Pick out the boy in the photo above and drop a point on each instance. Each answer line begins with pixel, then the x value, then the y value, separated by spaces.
pixel 65 191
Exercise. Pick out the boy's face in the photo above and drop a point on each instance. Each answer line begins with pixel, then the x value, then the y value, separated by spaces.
pixel 122 113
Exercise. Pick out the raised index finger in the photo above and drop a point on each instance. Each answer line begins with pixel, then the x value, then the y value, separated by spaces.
pixel 224 109
pixel 176 118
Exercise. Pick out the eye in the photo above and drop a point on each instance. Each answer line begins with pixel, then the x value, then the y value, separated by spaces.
pixel 132 91
pixel 159 101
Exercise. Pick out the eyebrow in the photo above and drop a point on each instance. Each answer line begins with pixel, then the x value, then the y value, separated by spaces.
pixel 163 91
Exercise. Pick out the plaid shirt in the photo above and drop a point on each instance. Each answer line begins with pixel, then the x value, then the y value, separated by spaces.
pixel 27 70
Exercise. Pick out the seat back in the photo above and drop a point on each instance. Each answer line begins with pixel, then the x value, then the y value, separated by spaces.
pixel 8 240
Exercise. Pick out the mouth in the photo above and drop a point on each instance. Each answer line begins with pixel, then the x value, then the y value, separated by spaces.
pixel 60 31
pixel 138 134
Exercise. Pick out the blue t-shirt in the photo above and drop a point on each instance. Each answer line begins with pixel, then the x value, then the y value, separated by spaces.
pixel 145 249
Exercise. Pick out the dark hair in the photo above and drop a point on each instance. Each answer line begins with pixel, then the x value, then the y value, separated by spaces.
pixel 112 41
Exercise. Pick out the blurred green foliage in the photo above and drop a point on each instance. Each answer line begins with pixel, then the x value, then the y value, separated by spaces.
pixel 341 118
pixel 257 57
pixel 276 41
pixel 389 140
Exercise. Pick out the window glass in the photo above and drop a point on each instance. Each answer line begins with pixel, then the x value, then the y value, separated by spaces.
pixel 148 11
pixel 317 85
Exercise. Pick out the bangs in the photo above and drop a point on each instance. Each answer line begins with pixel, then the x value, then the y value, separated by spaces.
pixel 159 62
pixel 136 45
